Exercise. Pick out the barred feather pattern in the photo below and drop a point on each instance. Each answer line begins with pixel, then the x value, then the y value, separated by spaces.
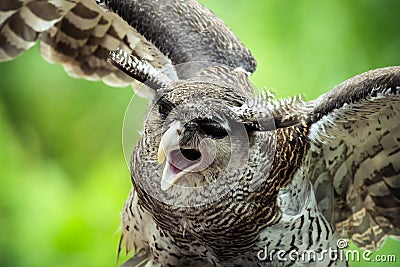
pixel 337 161
pixel 354 162
pixel 77 34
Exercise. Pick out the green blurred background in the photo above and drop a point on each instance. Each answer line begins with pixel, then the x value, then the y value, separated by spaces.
pixel 63 177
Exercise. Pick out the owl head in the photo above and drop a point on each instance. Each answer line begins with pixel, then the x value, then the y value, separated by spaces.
pixel 201 138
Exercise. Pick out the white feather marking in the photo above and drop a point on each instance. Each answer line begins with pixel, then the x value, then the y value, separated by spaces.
pixel 83 23
pixel 35 22
pixel 15 39
pixel 241 69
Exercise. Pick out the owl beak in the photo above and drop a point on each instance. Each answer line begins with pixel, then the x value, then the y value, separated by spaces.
pixel 169 141
pixel 176 164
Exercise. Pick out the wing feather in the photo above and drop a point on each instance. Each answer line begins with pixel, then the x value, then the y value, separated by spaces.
pixel 79 34
pixel 355 151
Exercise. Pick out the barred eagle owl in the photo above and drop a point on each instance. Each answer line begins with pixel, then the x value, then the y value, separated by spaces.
pixel 221 174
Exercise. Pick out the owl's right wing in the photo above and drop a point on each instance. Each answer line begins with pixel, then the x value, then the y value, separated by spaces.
pixel 79 34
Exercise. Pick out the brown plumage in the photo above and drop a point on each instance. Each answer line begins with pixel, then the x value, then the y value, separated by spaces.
pixel 220 173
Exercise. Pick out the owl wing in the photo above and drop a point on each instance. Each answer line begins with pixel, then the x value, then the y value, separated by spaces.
pixel 354 156
pixel 79 34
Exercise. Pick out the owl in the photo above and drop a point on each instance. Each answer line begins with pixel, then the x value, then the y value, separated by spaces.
pixel 223 176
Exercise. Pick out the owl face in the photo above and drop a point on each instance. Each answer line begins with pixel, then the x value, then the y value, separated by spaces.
pixel 203 143
pixel 195 143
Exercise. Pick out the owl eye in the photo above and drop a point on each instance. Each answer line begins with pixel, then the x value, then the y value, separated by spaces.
pixel 213 129
pixel 164 107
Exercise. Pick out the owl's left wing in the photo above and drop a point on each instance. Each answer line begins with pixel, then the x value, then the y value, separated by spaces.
pixel 354 156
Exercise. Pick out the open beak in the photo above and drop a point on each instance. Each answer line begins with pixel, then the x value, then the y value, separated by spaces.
pixel 178 162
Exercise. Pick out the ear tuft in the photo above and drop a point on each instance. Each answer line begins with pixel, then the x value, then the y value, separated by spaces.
pixel 138 69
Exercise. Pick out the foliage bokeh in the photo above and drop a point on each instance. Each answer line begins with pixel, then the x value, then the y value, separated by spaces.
pixel 63 177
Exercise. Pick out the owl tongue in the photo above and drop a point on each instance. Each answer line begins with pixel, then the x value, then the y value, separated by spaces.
pixel 179 161
pixel 182 159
